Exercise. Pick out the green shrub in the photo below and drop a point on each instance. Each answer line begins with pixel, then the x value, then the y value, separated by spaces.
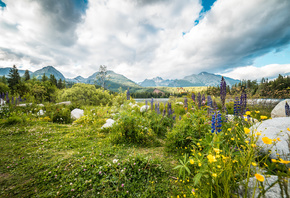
pixel 62 116
pixel 160 124
pixel 85 94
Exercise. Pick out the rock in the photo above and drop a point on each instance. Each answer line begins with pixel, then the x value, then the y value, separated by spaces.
pixel 109 123
pixel 144 108
pixel 2 102
pixel 179 103
pixel 279 109
pixel 77 113
pixel 40 112
pixel 273 129
pixel 274 191
pixel 64 103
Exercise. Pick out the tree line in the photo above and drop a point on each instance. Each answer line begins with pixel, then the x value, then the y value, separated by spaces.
pixel 277 88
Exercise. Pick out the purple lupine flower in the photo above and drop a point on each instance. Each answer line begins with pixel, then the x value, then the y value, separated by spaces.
pixel 185 103
pixel 12 101
pixel 169 110
pixel 152 104
pixel 287 110
pixel 216 122
pixel 214 105
pixel 158 109
pixel 223 92
pixel 128 94
pixel 243 102
pixel 199 100
pixel 203 100
pixel 193 97
pixel 174 117
pixel 237 107
pixel 209 101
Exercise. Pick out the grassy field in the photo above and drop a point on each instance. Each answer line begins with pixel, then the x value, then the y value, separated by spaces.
pixel 144 154
pixel 176 90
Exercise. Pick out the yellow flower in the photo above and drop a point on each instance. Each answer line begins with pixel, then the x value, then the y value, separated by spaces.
pixel 247 141
pixel 232 138
pixel 267 140
pixel 253 145
pixel 214 175
pixel 257 111
pixel 278 139
pixel 274 140
pixel 198 144
pixel 234 161
pixel 199 154
pixel 191 161
pixel 259 177
pixel 211 158
pixel 263 117
pixel 258 133
pixel 254 164
pixel 229 129
pixel 273 160
pixel 199 164
pixel 288 129
pixel 226 133
pixel 246 130
pixel 219 166
pixel 248 113
pixel 217 150
pixel 246 119
pixel 283 161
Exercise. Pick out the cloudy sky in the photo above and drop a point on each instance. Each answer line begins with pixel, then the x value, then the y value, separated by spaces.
pixel 243 39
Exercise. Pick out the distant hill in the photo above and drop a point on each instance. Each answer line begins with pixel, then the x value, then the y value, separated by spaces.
pixel 48 70
pixel 201 79
pixel 5 71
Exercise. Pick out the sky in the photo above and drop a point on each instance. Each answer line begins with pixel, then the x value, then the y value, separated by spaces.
pixel 147 38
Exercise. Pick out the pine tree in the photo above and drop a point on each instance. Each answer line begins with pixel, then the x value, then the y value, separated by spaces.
pixel 13 78
pixel 26 75
pixel 52 80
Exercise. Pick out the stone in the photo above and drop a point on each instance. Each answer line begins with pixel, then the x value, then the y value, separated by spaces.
pixel 2 102
pixel 274 191
pixel 40 112
pixel 279 109
pixel 179 103
pixel 64 103
pixel 77 113
pixel 275 128
pixel 144 108
pixel 109 123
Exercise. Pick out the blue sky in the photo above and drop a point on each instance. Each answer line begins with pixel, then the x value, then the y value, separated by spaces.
pixel 148 38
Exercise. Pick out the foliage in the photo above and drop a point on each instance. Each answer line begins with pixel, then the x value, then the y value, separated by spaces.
pixel 85 94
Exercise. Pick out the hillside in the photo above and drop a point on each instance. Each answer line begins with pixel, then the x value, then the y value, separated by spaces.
pixel 48 70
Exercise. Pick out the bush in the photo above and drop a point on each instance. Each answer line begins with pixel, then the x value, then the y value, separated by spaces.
pixel 62 116
pixel 85 94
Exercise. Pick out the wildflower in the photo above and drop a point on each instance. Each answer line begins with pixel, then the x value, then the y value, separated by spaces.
pixel 263 117
pixel 219 166
pixel 216 122
pixel 246 130
pixel 115 161
pixel 122 185
pixel 191 161
pixel 278 139
pixel 284 161
pixel 128 94
pixel 257 111
pixel 217 150
pixel 193 191
pixel 248 113
pixel 223 92
pixel 229 129
pixel 247 141
pixel 211 158
pixel 199 164
pixel 267 140
pixel 214 175
pixel 288 129
pixel 253 145
pixel 254 164
pixel 274 160
pixel 232 138
pixel 259 177
pixel 258 133
pixel 72 189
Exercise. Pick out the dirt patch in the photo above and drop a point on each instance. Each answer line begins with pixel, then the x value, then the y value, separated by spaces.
pixel 4 176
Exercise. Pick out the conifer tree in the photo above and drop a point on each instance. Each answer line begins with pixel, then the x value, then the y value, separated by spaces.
pixel 13 78
pixel 26 75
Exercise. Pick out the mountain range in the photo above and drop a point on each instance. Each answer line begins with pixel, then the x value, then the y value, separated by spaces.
pixel 115 81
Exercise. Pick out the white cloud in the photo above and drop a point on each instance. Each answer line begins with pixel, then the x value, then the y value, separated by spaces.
pixel 257 73
pixel 141 39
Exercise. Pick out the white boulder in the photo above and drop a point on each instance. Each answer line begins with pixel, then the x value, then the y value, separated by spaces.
pixel 144 108
pixel 278 129
pixel 109 123
pixel 77 113
pixel 274 191
pixel 2 102
pixel 279 109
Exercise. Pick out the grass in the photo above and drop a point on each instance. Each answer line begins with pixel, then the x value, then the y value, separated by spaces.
pixel 31 155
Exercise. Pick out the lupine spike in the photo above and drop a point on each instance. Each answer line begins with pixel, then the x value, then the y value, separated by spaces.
pixel 199 100
pixel 152 104
pixel 128 94
pixel 223 92
pixel 185 103
pixel 203 100
pixel 193 97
